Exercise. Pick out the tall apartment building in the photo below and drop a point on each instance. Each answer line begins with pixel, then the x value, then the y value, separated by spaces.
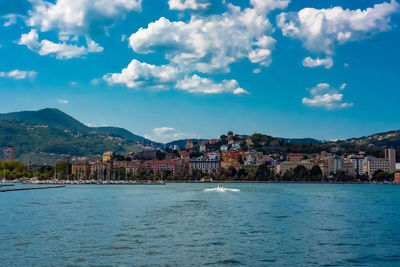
pixel 372 164
pixel 390 155
pixel 207 164
pixel 357 164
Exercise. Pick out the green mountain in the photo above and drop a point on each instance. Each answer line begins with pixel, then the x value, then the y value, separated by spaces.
pixel 55 118
pixel 45 135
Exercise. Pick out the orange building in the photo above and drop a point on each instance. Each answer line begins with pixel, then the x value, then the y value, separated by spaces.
pixel 108 156
pixel 80 169
pixel 156 166
pixel 231 159
pixel 397 177
pixel 292 157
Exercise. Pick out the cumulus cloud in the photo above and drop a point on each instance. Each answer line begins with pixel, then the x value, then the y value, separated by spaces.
pixel 312 63
pixel 204 44
pixel 143 75
pixel 62 101
pixel 74 21
pixel 196 84
pixel 325 96
pixel 191 5
pixel 165 134
pixel 59 50
pixel 321 30
pixel 19 74
pixel 209 44
pixel 79 17
pixel 265 6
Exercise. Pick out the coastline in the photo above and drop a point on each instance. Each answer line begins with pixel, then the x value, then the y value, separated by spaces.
pixel 144 182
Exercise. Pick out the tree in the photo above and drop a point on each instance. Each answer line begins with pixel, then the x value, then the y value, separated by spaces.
pixel 263 172
pixel 316 173
pixel 300 172
pixel 231 172
pixel 381 176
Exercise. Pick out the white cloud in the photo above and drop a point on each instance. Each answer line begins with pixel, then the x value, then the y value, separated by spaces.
pixel 19 74
pixel 205 44
pixel 79 17
pixel 62 101
pixel 165 135
pixel 75 21
pixel 143 75
pixel 196 84
pixel 192 5
pixel 59 50
pixel 209 44
pixel 11 19
pixel 312 63
pixel 325 96
pixel 256 70
pixel 265 6
pixel 321 30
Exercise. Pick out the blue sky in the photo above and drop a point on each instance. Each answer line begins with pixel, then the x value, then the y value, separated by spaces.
pixel 198 68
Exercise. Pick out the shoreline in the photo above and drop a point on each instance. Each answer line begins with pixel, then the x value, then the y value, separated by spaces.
pixel 123 182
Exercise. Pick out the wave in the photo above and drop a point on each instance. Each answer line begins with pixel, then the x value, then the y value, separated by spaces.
pixel 223 189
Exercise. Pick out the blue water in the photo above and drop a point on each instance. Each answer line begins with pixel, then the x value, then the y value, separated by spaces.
pixel 180 224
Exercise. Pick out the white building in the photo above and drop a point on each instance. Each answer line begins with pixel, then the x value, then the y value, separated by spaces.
pixel 372 164
pixel 357 162
pixel 207 164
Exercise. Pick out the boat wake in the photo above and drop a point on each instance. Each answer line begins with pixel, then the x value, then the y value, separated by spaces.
pixel 220 188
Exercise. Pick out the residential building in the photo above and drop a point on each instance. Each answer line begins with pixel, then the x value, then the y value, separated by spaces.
pixel 80 169
pixel 357 162
pixel 108 156
pixel 397 177
pixel 129 166
pixel 224 148
pixel 372 164
pixel 98 170
pixel 9 153
pixel 390 155
pixel 207 164
pixel 231 159
pixel 156 166
pixel 292 157
pixel 283 167
pixel 252 158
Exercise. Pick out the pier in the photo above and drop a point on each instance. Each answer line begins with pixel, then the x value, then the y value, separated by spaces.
pixel 31 188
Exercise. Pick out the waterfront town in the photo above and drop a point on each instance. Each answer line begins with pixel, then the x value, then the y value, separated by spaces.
pixel 229 158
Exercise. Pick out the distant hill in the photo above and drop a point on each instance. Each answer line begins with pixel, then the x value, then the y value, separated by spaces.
pixel 55 118
pixel 50 133
pixel 300 140
pixel 388 139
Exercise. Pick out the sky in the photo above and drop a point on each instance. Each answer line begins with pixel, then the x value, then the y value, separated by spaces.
pixel 176 69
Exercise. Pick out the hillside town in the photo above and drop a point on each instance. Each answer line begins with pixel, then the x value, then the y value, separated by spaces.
pixel 229 158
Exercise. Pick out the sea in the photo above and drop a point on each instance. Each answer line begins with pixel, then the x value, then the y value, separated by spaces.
pixel 182 224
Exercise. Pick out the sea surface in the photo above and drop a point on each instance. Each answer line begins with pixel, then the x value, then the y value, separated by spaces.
pixel 182 225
